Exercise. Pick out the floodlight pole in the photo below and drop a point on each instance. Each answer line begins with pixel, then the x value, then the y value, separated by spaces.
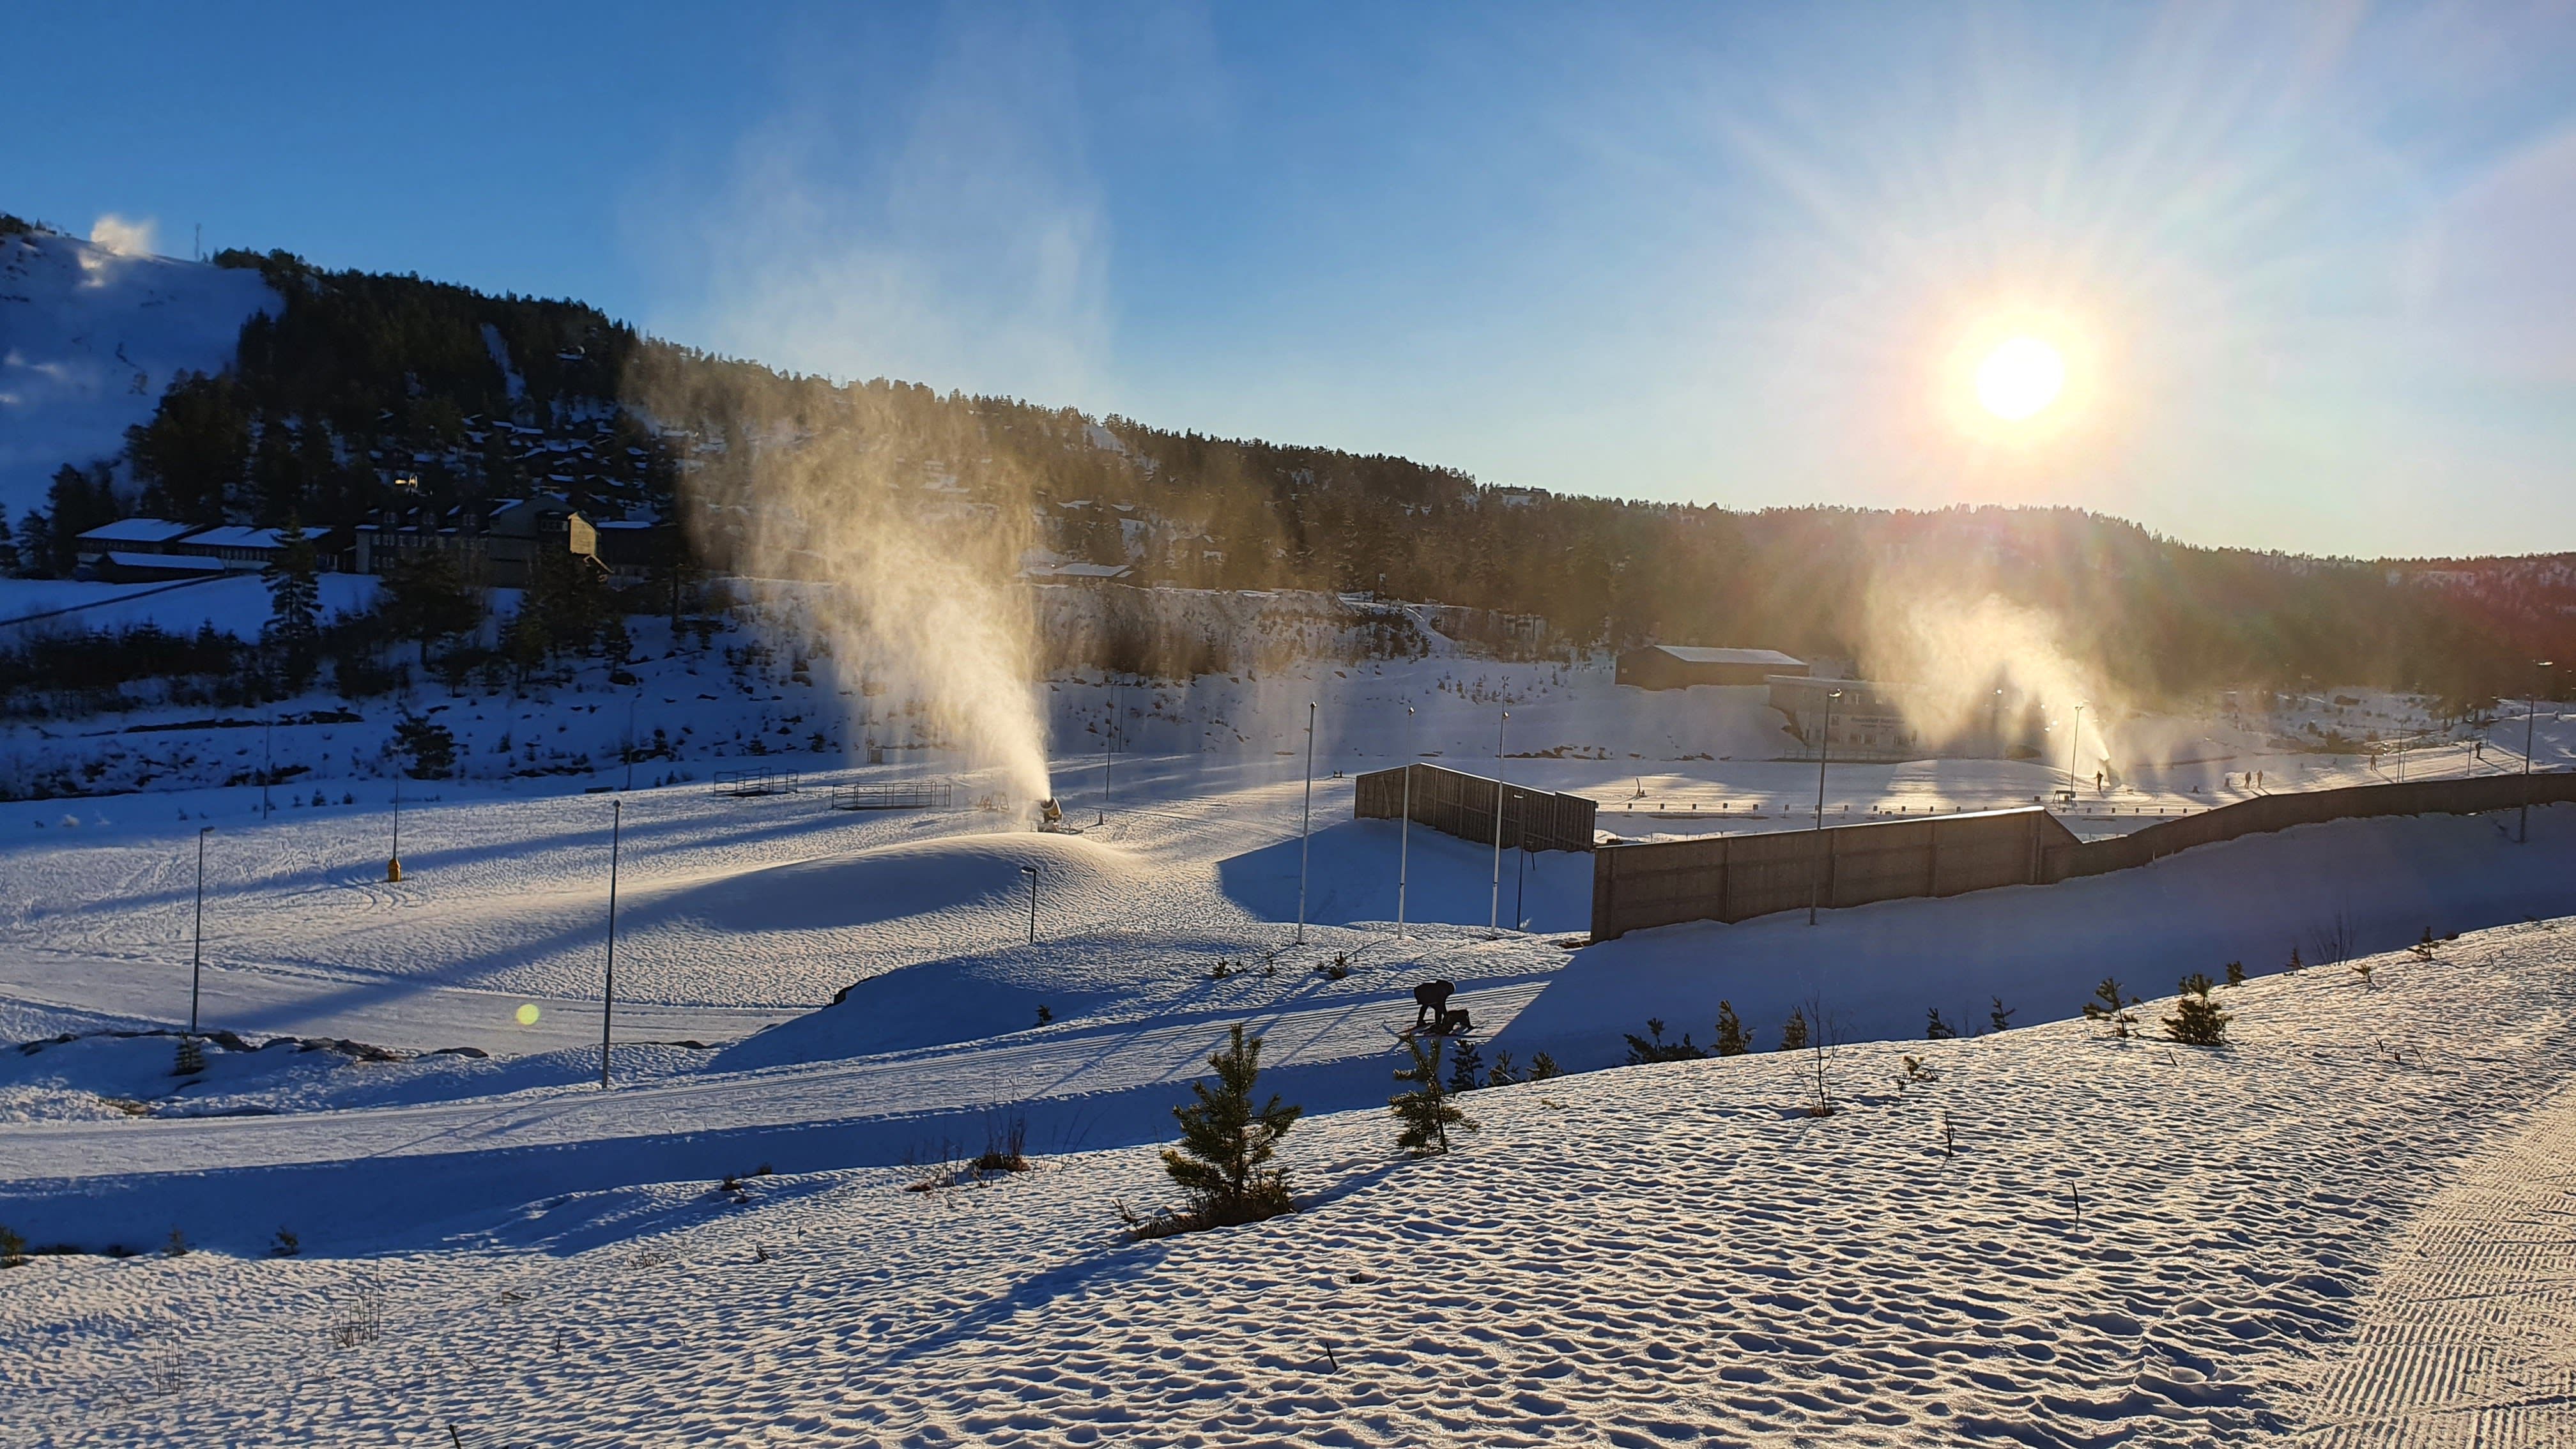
pixel 608 982
pixel 2074 737
pixel 267 762
pixel 2530 707
pixel 1404 828
pixel 1815 857
pixel 1494 909
pixel 1031 872
pixel 1306 825
pixel 197 952
pixel 393 866
pixel 630 736
pixel 1108 748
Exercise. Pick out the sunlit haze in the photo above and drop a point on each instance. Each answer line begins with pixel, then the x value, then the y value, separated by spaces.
pixel 2303 265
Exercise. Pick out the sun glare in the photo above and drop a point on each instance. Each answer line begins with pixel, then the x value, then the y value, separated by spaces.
pixel 2020 378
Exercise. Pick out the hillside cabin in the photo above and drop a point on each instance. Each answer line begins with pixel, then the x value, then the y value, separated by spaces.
pixel 1680 666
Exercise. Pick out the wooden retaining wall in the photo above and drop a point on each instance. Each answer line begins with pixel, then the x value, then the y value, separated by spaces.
pixel 1455 803
pixel 1738 877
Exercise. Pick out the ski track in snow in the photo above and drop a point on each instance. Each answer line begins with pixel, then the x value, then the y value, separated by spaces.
pixel 1662 1254
pixel 2469 1337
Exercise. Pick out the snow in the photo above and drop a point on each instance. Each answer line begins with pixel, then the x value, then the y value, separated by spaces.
pixel 138 530
pixel 488 1239
pixel 2133 1242
pixel 90 339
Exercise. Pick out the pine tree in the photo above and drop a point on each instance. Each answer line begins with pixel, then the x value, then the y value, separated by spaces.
pixel 1653 1047
pixel 1503 1074
pixel 1793 1034
pixel 1466 1068
pixel 2110 1004
pixel 1732 1040
pixel 1543 1067
pixel 1225 1141
pixel 2000 1018
pixel 2235 973
pixel 2197 1020
pixel 295 606
pixel 1426 1111
pixel 1935 1029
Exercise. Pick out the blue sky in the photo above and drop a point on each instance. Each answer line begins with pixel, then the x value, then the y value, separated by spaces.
pixel 2305 263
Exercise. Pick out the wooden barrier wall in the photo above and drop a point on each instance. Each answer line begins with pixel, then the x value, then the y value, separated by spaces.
pixel 1460 804
pixel 1738 877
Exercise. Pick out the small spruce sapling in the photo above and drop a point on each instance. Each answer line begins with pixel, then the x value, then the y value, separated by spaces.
pixel 2295 963
pixel 2110 1005
pixel 13 1249
pixel 2235 973
pixel 1653 1047
pixel 1732 1039
pixel 1543 1067
pixel 2000 1018
pixel 1426 1111
pixel 1934 1028
pixel 1466 1068
pixel 1504 1073
pixel 1045 1013
pixel 1226 1142
pixel 2366 969
pixel 2197 1020
pixel 1793 1034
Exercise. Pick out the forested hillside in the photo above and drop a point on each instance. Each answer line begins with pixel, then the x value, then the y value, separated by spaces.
pixel 371 390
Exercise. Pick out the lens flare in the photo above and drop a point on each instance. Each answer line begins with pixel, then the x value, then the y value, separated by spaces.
pixel 528 1013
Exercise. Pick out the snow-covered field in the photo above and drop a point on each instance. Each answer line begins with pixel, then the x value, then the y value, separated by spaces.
pixel 487 1239
pixel 2056 1238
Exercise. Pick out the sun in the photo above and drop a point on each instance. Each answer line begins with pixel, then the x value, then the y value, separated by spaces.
pixel 2020 378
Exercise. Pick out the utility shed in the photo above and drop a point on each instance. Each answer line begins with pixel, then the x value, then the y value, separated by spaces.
pixel 1679 666
pixel 1738 877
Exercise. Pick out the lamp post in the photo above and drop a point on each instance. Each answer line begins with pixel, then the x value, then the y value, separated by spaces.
pixel 197 952
pixel 393 866
pixel 1108 747
pixel 1031 872
pixel 2530 708
pixel 2074 737
pixel 608 981
pixel 631 701
pixel 1306 824
pixel 1815 857
pixel 1494 909
pixel 267 762
pixel 1404 827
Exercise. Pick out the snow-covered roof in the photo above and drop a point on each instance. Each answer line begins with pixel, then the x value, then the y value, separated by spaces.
pixel 234 536
pixel 1694 654
pixel 169 562
pixel 138 530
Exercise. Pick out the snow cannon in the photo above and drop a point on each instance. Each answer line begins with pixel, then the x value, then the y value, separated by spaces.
pixel 1050 814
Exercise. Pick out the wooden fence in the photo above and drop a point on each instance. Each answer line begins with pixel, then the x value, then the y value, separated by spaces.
pixel 1738 877
pixel 1455 803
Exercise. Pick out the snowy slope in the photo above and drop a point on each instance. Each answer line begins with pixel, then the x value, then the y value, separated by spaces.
pixel 2056 1239
pixel 90 339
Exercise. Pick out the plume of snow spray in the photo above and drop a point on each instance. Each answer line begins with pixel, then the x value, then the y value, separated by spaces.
pixel 1958 647
pixel 824 507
